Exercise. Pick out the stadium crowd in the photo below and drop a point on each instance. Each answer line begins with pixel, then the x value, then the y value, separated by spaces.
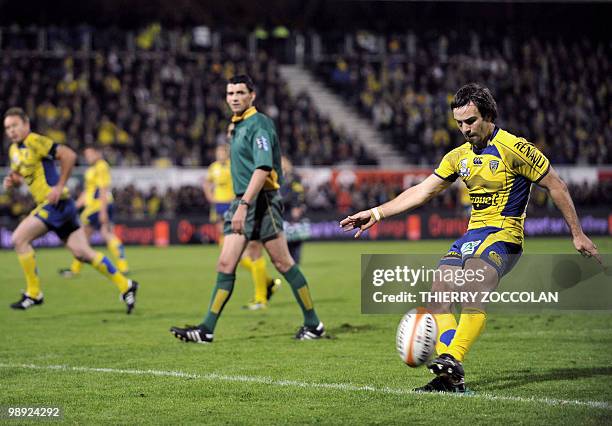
pixel 161 105
pixel 554 92
pixel 160 108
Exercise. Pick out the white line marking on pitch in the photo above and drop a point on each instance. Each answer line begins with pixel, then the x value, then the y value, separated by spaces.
pixel 294 383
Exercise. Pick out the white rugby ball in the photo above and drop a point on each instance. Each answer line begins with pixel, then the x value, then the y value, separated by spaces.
pixel 416 336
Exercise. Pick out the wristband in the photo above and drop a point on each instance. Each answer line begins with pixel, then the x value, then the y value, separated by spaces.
pixel 244 202
pixel 377 214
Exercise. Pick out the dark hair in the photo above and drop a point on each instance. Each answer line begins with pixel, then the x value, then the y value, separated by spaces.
pixel 248 82
pixel 482 98
pixel 19 112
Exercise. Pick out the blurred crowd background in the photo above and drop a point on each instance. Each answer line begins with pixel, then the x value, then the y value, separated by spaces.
pixel 554 91
pixel 146 81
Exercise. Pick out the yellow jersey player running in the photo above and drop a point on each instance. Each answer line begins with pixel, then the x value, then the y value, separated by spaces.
pixel 32 159
pixel 498 169
pixel 96 200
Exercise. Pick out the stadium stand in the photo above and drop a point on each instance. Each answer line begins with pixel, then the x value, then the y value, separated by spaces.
pixel 555 92
pixel 159 107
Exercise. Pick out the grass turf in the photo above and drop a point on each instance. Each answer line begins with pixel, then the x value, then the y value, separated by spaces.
pixel 524 369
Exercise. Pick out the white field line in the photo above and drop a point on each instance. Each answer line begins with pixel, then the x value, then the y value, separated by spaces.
pixel 346 387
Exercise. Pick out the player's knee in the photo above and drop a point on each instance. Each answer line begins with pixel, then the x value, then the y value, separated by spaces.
pixel 226 266
pixel 19 242
pixel 283 265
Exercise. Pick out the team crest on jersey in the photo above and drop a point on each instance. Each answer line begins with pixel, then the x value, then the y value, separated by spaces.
pixel 493 165
pixel 262 143
pixel 477 161
pixel 469 247
pixel 463 168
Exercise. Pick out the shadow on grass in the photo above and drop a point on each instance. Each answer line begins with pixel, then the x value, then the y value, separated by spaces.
pixel 526 376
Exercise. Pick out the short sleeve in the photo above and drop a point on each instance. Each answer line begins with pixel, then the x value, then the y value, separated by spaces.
pixel 527 160
pixel 210 172
pixel 42 147
pixel 446 169
pixel 262 149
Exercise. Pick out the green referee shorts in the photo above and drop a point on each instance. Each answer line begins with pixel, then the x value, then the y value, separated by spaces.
pixel 264 219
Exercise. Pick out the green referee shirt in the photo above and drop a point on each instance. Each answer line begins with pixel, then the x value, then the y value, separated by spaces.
pixel 254 146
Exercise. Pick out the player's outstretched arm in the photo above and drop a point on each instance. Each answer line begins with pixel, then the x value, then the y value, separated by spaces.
pixel 411 198
pixel 557 189
pixel 67 158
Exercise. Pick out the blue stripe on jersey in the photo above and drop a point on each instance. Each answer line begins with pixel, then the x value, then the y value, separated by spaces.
pixel 51 175
pixel 97 193
pixel 491 150
pixel 518 197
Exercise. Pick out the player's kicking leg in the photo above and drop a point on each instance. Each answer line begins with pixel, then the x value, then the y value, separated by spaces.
pixel 283 262
pixel 448 365
pixel 27 231
pixel 233 246
pixel 78 244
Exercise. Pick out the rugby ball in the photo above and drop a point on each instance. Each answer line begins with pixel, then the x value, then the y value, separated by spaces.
pixel 416 336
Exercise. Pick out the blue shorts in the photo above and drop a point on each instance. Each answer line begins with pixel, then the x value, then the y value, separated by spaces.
pixel 221 208
pixel 93 219
pixel 61 218
pixel 491 244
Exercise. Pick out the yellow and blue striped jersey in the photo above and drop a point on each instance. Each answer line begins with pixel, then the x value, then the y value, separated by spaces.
pixel 498 178
pixel 97 177
pixel 221 177
pixel 34 159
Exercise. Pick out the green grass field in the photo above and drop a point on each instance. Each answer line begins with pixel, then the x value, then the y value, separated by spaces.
pixel 79 351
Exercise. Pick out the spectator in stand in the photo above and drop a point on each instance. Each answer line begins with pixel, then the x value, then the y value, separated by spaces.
pixel 563 106
pixel 159 109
